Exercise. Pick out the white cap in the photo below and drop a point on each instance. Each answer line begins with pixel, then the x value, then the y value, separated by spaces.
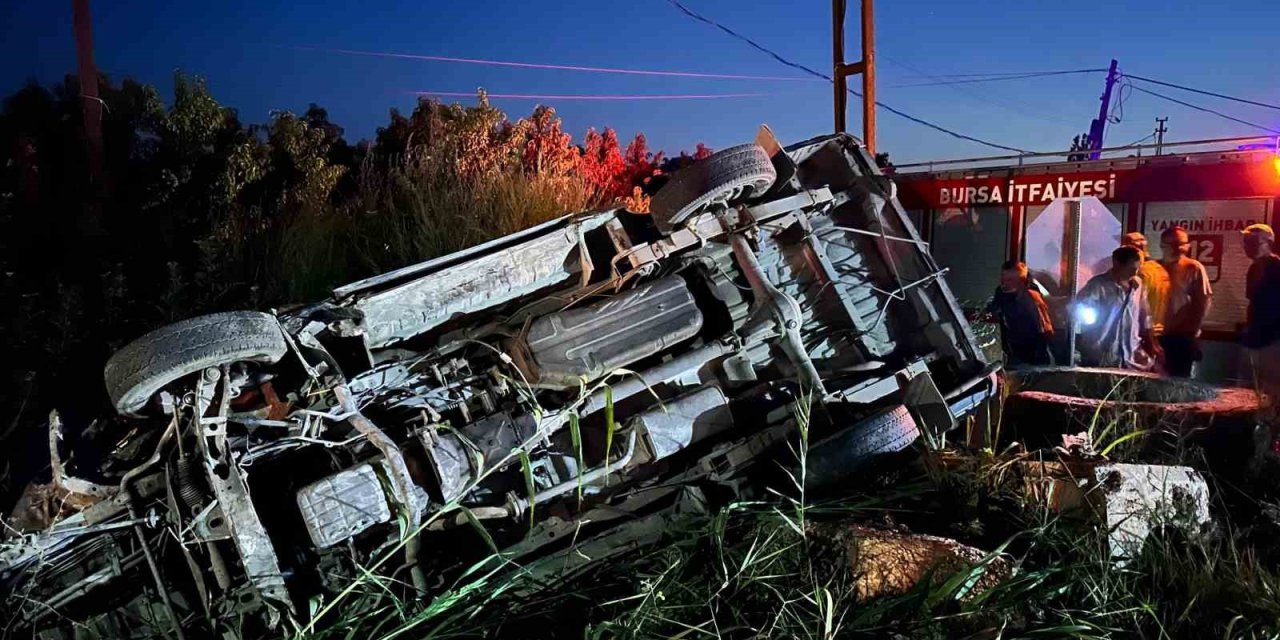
pixel 1260 230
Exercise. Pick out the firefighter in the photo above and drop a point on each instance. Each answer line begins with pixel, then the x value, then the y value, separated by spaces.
pixel 1025 328
pixel 1111 311
pixel 1185 305
pixel 1155 280
pixel 1262 327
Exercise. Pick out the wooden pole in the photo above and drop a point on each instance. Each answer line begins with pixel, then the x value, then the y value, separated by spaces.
pixel 867 67
pixel 837 52
pixel 868 77
pixel 91 104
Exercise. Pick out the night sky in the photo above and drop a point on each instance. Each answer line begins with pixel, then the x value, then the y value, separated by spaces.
pixel 250 53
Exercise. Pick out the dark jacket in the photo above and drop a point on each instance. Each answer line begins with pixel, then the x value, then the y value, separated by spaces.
pixel 1263 291
pixel 1025 325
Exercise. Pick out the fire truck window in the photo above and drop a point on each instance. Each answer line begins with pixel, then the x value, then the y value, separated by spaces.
pixel 1048 234
pixel 971 243
pixel 1118 209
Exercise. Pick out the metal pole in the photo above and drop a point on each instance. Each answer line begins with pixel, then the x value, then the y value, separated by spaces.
pixel 1098 127
pixel 1073 275
pixel 91 104
pixel 837 55
pixel 1160 131
pixel 868 77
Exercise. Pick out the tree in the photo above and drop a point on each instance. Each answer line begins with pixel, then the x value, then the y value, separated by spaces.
pixel 641 165
pixel 300 167
pixel 392 140
pixel 882 161
pixel 340 152
pixel 1080 143
pixel 676 163
pixel 603 165
pixel 317 117
pixel 547 148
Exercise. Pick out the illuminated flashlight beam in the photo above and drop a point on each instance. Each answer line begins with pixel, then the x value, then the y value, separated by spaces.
pixel 558 67
pixel 532 96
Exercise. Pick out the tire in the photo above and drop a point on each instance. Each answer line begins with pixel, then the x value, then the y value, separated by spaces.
pixel 136 372
pixel 848 451
pixel 724 177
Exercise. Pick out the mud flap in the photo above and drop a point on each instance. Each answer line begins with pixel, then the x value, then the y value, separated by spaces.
pixel 782 163
pixel 925 402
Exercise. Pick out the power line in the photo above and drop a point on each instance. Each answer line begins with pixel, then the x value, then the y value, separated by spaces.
pixel 1038 74
pixel 1139 141
pixel 758 47
pixel 795 65
pixel 996 74
pixel 1006 104
pixel 1205 109
pixel 1203 92
pixel 532 96
pixel 942 129
pixel 556 67
pixel 1116 116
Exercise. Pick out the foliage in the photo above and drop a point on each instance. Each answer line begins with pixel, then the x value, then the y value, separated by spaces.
pixel 1080 143
pixel 882 161
pixel 200 212
pixel 602 164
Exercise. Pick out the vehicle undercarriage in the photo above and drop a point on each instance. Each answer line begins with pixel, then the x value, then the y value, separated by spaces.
pixel 541 388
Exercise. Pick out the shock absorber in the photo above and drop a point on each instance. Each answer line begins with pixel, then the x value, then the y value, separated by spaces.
pixel 188 481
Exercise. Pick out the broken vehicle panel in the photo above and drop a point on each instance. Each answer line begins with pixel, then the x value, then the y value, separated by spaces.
pixel 586 366
pixel 431 299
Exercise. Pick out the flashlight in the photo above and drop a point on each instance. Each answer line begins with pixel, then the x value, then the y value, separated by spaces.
pixel 1087 314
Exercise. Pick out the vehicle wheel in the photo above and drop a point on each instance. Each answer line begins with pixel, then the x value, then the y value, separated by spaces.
pixel 884 433
pixel 144 366
pixel 728 175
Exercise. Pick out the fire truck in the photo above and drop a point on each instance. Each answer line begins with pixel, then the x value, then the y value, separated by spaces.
pixel 977 213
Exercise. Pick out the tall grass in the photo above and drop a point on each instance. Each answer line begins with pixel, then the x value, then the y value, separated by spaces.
pixel 750 571
pixel 746 574
pixel 415 210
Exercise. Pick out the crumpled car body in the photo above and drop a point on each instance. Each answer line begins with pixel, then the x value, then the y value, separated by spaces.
pixel 596 365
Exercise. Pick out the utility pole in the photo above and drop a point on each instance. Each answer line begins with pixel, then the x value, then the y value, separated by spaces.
pixel 869 76
pixel 866 66
pixel 1160 131
pixel 837 54
pixel 91 104
pixel 1099 126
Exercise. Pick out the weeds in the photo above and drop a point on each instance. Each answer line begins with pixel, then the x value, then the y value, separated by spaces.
pixel 759 570
pixel 751 570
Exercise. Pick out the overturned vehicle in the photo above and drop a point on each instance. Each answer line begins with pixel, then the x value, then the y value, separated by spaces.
pixel 544 386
